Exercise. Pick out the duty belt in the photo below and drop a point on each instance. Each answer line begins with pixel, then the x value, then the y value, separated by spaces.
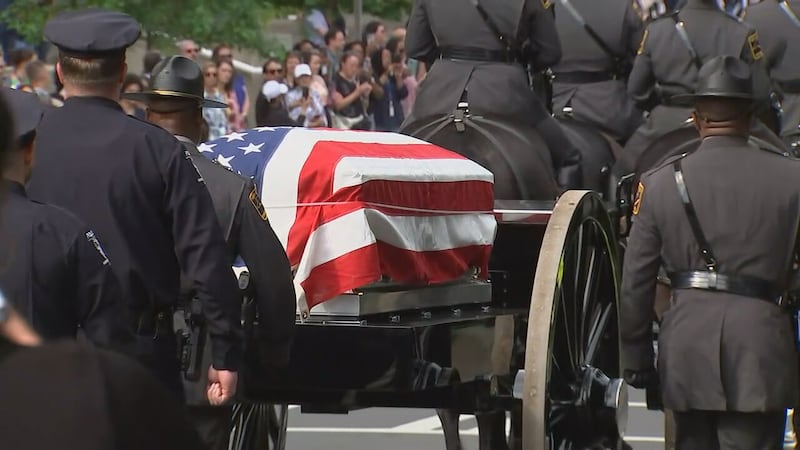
pixel 745 286
pixel 790 87
pixel 709 279
pixel 153 322
pixel 580 77
pixel 478 54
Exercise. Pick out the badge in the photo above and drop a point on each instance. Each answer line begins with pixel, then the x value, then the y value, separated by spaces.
pixel 637 201
pixel 641 44
pixel 547 3
pixel 755 46
pixel 93 239
pixel 257 204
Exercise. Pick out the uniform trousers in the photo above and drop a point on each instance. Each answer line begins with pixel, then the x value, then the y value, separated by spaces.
pixel 729 430
pixel 213 424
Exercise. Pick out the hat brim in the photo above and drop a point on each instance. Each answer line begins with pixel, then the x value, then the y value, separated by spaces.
pixel 156 95
pixel 689 99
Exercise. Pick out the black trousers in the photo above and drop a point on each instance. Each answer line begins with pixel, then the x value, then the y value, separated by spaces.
pixel 728 430
pixel 213 424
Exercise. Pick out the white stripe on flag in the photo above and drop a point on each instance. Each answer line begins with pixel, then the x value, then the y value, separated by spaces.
pixel 353 170
pixel 432 233
pixel 361 228
pixel 336 238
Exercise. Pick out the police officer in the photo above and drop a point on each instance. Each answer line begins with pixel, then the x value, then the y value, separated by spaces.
pixel 54 269
pixel 726 358
pixel 669 55
pixel 474 64
pixel 175 102
pixel 135 184
pixel 591 77
pixel 778 25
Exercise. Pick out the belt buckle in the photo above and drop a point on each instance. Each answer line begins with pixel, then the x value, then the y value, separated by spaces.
pixel 713 281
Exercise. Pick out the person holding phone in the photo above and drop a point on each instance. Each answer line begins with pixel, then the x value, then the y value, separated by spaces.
pixel 388 111
pixel 304 104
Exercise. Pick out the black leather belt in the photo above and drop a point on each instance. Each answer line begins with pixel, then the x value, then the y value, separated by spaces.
pixel 579 77
pixel 153 323
pixel 790 87
pixel 478 54
pixel 743 285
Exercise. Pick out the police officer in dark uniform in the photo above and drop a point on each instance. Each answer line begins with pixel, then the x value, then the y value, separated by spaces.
pixel 466 59
pixel 591 77
pixel 134 183
pixel 672 49
pixel 778 25
pixel 722 222
pixel 53 268
pixel 175 102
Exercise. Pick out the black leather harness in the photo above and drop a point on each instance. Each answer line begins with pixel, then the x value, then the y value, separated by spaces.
pixel 710 279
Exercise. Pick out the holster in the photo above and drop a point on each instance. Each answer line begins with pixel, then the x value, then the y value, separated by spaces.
pixel 191 339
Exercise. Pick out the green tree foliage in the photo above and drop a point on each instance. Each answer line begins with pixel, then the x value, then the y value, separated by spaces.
pixel 239 22
pixel 206 21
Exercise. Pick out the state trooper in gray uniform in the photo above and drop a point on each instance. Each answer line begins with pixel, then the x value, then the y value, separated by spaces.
pixel 466 59
pixel 591 76
pixel 175 102
pixel 778 25
pixel 726 352
pixel 673 47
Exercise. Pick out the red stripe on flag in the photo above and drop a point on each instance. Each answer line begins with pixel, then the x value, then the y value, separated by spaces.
pixel 357 269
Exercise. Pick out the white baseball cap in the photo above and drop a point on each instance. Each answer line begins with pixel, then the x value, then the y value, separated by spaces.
pixel 272 89
pixel 302 69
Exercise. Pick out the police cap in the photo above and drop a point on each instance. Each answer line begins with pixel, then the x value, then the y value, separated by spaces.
pixel 26 109
pixel 92 32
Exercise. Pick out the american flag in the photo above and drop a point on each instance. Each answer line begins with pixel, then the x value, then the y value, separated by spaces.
pixel 352 207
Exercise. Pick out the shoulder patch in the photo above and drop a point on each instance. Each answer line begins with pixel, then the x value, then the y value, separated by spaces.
pixel 755 46
pixel 96 243
pixel 547 4
pixel 644 40
pixel 256 202
pixel 637 199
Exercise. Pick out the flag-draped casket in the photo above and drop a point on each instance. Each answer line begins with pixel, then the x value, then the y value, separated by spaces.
pixel 353 207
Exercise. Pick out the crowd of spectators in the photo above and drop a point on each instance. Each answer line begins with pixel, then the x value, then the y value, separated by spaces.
pixel 329 80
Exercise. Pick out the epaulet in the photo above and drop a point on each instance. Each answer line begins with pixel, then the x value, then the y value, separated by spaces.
pixel 217 163
pixel 765 146
pixel 667 15
pixel 664 163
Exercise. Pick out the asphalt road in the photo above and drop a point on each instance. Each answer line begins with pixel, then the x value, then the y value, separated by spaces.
pixel 419 429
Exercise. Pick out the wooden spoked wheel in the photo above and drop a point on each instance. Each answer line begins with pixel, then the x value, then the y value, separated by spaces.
pixel 573 397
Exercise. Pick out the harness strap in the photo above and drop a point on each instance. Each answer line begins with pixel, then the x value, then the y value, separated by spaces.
pixel 680 28
pixel 700 237
pixel 616 57
pixel 787 10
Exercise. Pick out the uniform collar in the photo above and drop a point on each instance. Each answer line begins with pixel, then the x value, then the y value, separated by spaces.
pixel 188 143
pixel 94 100
pixel 15 188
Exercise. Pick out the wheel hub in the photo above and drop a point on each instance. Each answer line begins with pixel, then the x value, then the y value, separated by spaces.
pixel 598 392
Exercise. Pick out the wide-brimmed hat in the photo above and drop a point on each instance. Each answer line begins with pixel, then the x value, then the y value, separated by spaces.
pixel 721 77
pixel 176 77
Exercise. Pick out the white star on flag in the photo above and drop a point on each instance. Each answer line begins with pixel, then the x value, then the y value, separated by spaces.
pixel 235 136
pixel 252 148
pixel 208 148
pixel 225 162
pixel 260 129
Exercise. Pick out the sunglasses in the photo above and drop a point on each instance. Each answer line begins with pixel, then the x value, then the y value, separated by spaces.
pixel 193 50
pixel 274 71
pixel 225 55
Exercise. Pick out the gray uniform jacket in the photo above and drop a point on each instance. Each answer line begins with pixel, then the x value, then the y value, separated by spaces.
pixel 717 351
pixel 604 104
pixel 493 88
pixel 780 39
pixel 249 234
pixel 664 67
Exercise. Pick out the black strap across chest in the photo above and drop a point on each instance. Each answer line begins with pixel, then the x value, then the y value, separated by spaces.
pixel 680 28
pixel 790 14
